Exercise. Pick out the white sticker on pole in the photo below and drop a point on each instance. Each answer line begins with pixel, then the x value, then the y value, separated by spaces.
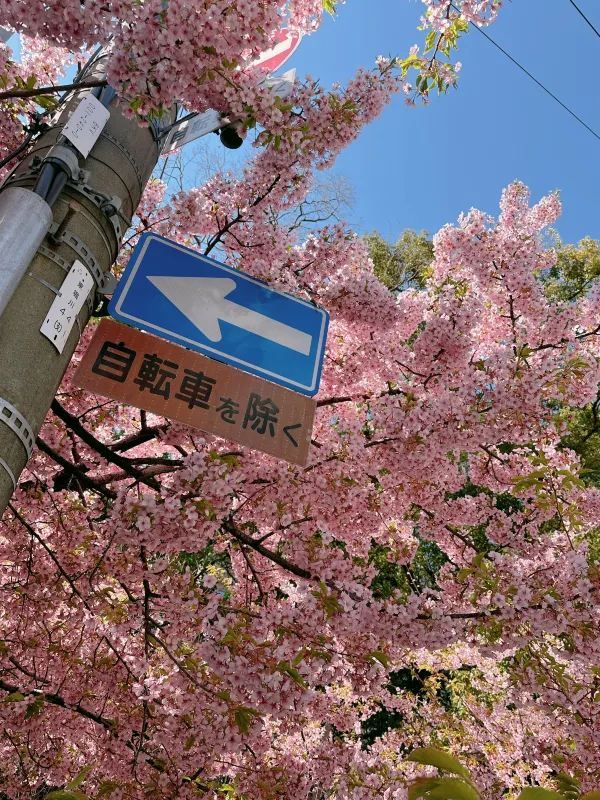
pixel 67 304
pixel 85 124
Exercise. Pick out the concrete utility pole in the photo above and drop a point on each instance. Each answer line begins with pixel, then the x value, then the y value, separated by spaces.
pixel 57 208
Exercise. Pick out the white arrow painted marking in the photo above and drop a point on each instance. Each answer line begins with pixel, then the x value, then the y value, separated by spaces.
pixel 203 301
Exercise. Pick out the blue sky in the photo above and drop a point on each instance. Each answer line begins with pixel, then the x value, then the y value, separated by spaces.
pixel 420 167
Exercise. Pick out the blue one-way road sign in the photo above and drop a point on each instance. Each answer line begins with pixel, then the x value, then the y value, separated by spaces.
pixel 196 302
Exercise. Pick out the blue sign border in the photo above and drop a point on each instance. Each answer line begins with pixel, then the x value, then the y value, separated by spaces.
pixel 120 295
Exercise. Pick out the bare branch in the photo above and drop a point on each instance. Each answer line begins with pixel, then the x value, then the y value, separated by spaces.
pixel 9 94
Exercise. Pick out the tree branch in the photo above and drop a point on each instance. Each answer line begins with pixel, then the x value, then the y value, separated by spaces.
pixel 102 449
pixel 141 437
pixel 71 469
pixel 230 527
pixel 57 700
pixel 23 93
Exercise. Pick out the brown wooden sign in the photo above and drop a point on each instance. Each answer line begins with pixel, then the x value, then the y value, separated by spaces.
pixel 141 370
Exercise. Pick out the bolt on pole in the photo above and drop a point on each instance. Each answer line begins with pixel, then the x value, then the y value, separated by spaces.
pixel 84 206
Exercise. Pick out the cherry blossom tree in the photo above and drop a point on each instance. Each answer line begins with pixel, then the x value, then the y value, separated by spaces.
pixel 182 617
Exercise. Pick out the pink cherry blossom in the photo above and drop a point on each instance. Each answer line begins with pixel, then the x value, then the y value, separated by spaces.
pixel 184 617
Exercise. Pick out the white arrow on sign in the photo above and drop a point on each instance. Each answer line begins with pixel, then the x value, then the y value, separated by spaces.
pixel 203 301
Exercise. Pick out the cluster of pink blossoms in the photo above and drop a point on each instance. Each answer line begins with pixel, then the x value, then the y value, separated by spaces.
pixel 40 60
pixel 182 617
pixel 162 52
pixel 11 129
pixel 231 626
pixel 438 13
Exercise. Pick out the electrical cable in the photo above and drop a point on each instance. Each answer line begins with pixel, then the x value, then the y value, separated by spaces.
pixel 580 12
pixel 89 63
pixel 45 179
pixel 534 79
pixel 58 184
pixel 53 177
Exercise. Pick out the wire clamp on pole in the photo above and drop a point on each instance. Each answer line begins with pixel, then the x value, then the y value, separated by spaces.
pixel 53 289
pixel 105 281
pixel 13 419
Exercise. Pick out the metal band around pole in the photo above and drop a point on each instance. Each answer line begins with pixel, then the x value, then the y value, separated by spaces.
pixel 13 418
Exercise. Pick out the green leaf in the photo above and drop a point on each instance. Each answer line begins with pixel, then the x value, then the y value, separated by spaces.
pixel 35 708
pixel 453 789
pixel 136 103
pixel 106 788
pixel 47 103
pixel 421 787
pixel 593 795
pixel 381 657
pixel 433 757
pixel 13 697
pixel 567 785
pixel 244 717
pixel 330 6
pixel 327 600
pixel 79 778
pixel 430 40
pixel 285 668
pixel 539 793
pixel 66 794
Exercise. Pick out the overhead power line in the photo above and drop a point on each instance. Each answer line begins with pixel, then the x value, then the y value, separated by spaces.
pixel 580 12
pixel 539 83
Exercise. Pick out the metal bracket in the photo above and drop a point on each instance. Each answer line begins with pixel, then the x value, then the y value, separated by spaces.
pixel 47 253
pixel 13 418
pixel 109 205
pixel 83 252
pixel 105 281
pixel 36 161
pixel 109 284
pixel 66 266
pixel 53 289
